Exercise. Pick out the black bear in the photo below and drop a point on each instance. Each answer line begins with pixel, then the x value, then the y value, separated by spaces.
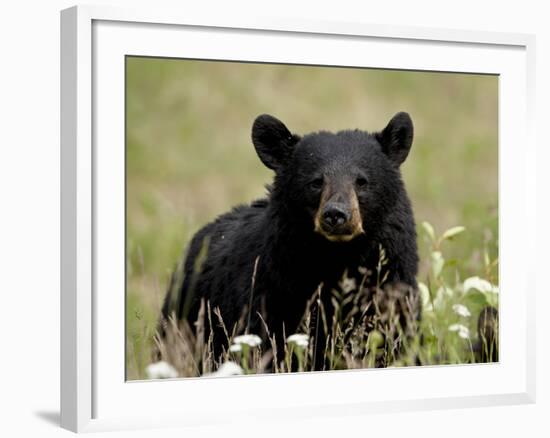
pixel 337 208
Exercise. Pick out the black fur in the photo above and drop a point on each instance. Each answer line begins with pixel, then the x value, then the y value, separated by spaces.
pixel 278 231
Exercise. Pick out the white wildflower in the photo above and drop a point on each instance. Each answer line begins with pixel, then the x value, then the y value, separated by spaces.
pixel 461 310
pixel 298 339
pixel 250 340
pixel 236 348
pixel 462 330
pixel 479 284
pixel 161 370
pixel 464 333
pixel 227 369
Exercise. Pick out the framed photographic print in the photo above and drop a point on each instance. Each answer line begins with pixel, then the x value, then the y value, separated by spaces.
pixel 260 217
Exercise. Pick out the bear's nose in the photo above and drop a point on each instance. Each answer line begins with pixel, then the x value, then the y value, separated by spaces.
pixel 335 215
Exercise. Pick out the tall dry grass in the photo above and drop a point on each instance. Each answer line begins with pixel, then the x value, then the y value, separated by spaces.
pixel 369 327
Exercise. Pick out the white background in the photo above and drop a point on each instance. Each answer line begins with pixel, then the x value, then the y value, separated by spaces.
pixel 29 218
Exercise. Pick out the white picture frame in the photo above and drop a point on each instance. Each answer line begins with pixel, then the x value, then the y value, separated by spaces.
pixel 94 41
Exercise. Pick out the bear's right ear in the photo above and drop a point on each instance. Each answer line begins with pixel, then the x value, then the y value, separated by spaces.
pixel 274 143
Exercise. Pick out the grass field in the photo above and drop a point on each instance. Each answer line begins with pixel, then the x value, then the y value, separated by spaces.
pixel 190 158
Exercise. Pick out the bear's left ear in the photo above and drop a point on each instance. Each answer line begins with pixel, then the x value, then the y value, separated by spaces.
pixel 273 141
pixel 396 138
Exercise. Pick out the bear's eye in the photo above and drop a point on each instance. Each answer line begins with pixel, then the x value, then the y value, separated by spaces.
pixel 316 184
pixel 361 182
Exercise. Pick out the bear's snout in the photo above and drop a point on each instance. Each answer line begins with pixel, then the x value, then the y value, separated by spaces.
pixel 338 218
pixel 335 215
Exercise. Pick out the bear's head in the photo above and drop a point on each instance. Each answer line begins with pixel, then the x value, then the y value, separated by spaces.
pixel 339 185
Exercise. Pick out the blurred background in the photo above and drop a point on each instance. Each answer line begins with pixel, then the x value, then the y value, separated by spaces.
pixel 190 157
